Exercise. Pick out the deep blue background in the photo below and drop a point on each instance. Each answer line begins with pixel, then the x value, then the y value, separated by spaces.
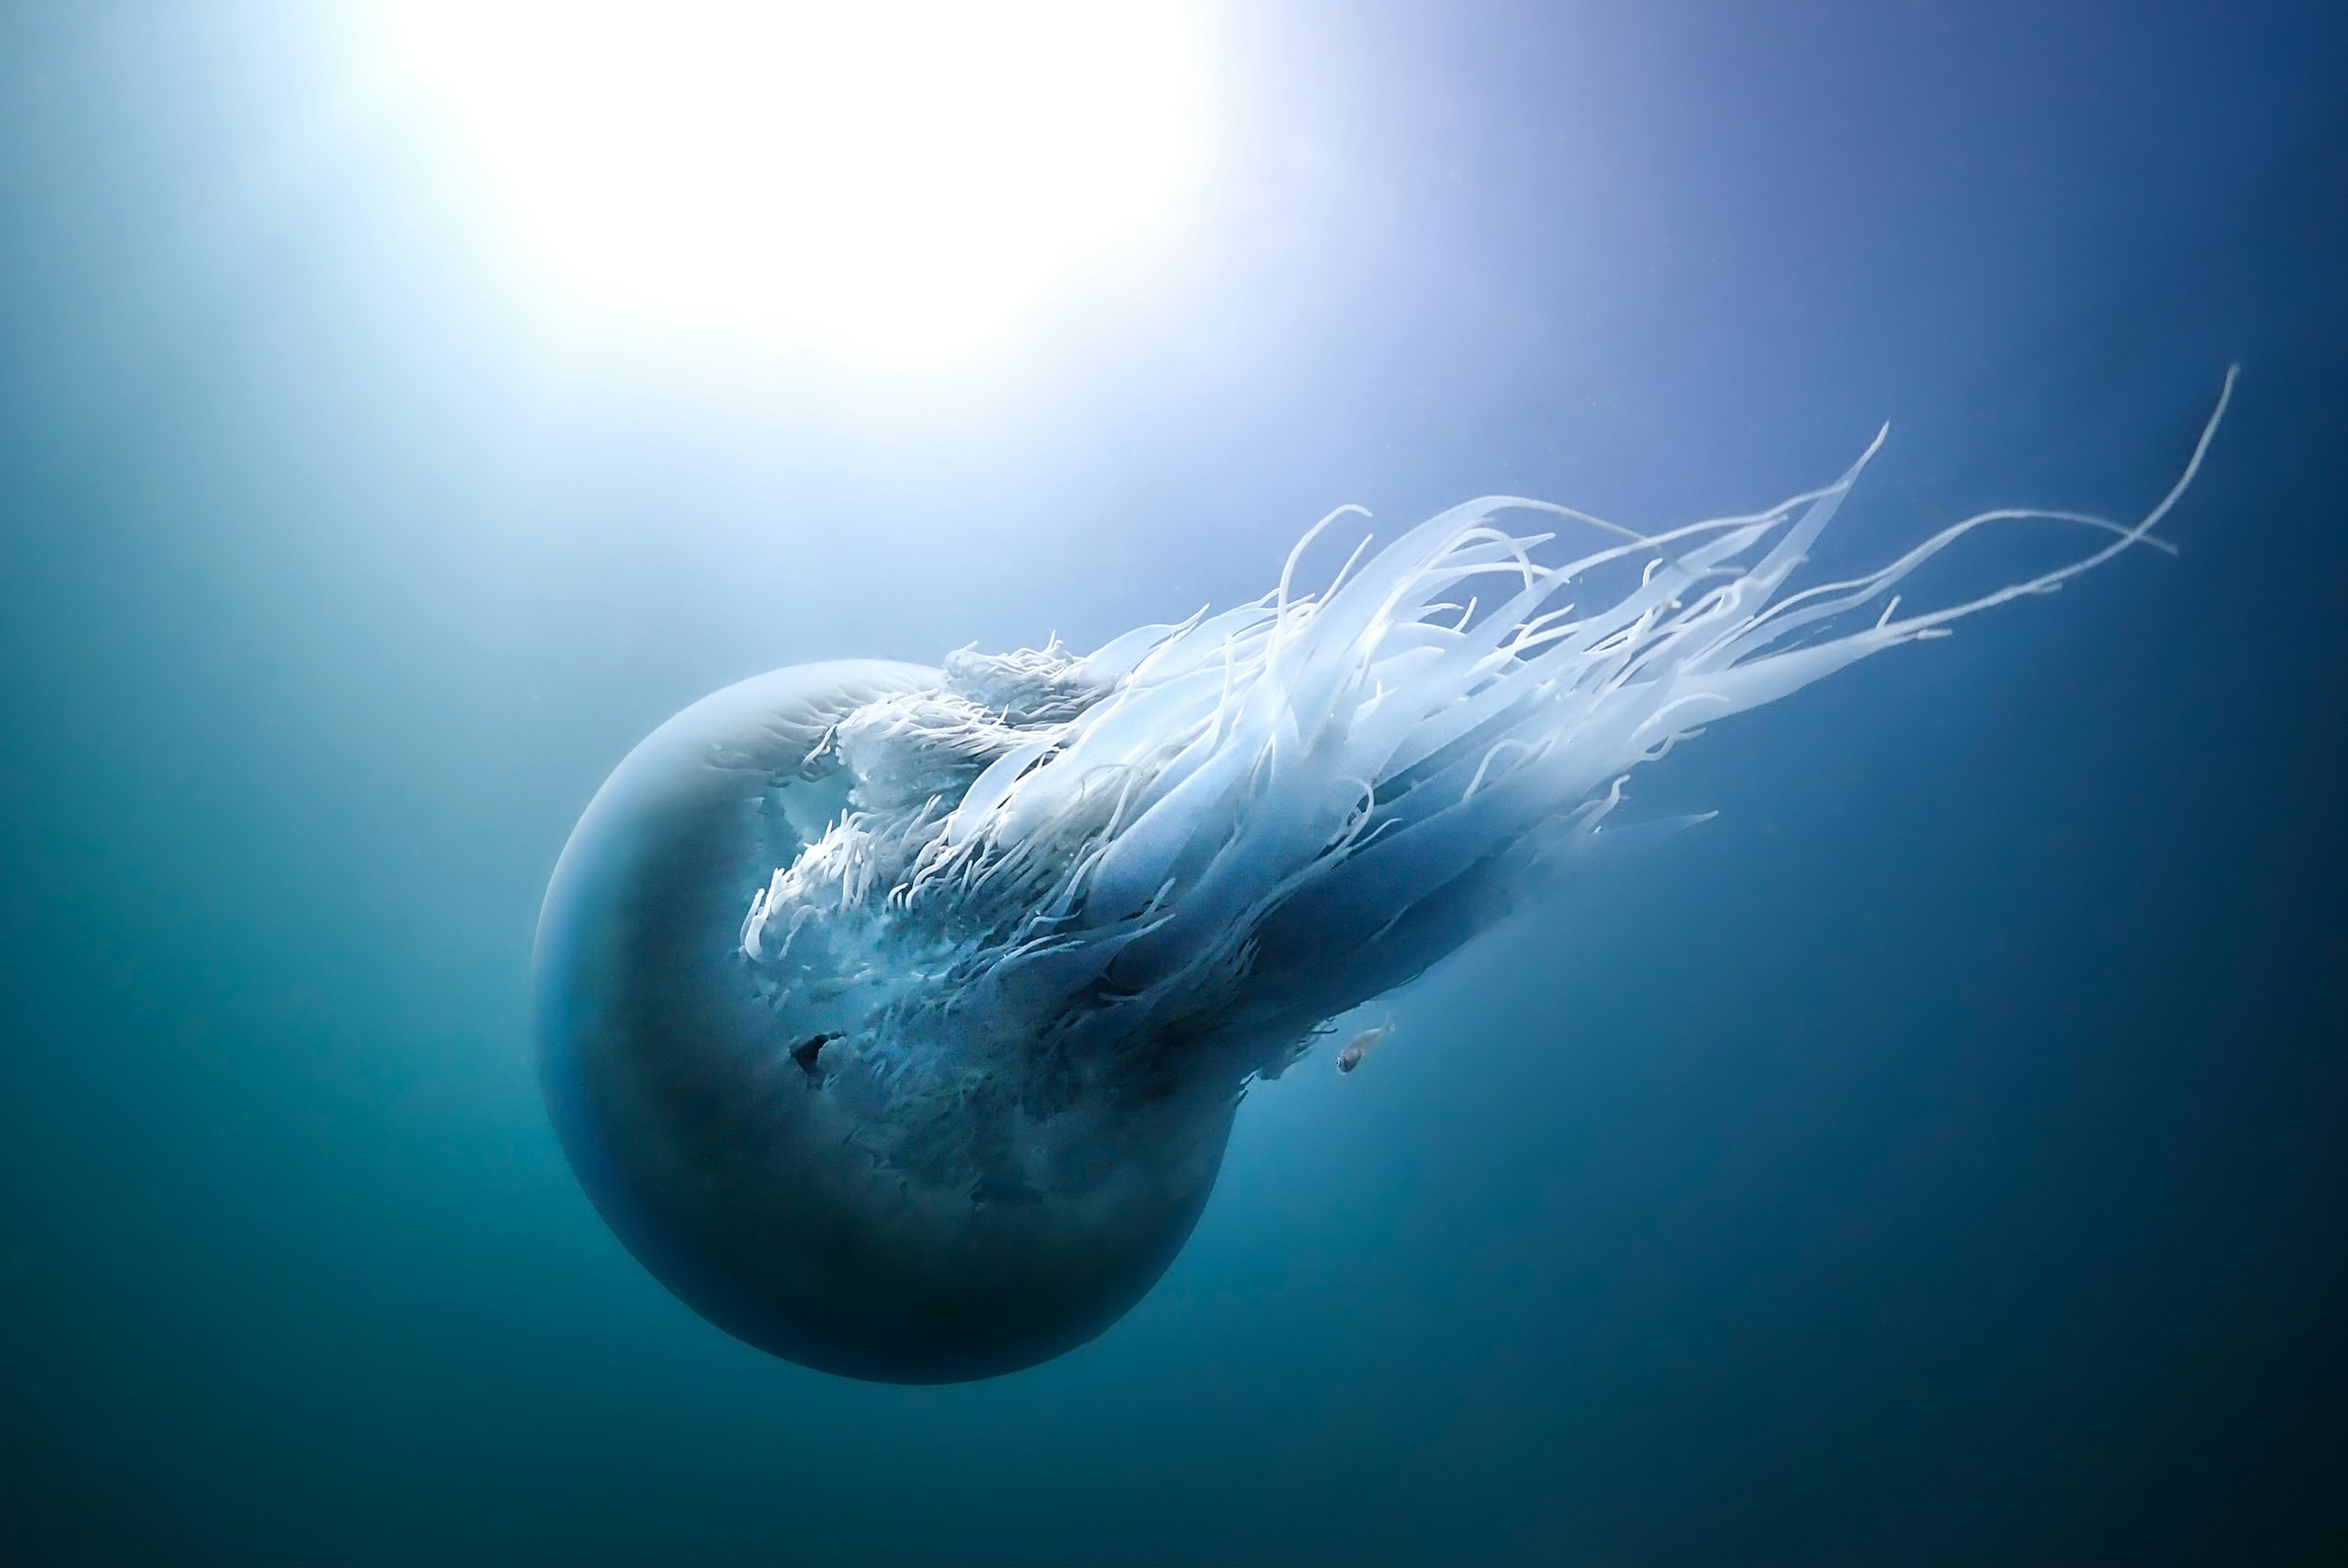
pixel 1941 1157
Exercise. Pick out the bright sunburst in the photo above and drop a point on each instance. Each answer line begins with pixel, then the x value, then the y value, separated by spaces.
pixel 899 178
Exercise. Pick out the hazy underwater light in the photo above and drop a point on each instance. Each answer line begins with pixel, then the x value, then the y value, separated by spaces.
pixel 896 1017
pixel 897 179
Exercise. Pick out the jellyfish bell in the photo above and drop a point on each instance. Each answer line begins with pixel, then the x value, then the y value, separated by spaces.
pixel 858 1214
pixel 896 1018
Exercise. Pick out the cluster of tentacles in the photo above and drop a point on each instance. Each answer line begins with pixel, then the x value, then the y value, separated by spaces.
pixel 1235 827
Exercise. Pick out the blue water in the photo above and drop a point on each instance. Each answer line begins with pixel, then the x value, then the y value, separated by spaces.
pixel 1942 1156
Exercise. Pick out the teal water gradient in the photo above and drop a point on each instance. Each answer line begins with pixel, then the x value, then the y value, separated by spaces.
pixel 1940 1157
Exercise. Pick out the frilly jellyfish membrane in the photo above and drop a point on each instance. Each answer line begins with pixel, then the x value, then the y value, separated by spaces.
pixel 896 1018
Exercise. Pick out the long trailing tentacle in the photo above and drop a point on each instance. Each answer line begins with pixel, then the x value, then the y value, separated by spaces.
pixel 1276 811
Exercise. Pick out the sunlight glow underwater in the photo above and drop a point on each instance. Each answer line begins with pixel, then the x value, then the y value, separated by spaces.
pixel 896 1018
pixel 896 179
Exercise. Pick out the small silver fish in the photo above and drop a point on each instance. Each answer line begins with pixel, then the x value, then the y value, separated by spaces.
pixel 1362 1044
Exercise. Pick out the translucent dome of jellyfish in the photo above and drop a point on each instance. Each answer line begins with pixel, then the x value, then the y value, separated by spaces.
pixel 896 1018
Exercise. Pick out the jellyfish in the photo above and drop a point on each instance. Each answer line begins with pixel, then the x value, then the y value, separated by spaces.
pixel 896 1018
